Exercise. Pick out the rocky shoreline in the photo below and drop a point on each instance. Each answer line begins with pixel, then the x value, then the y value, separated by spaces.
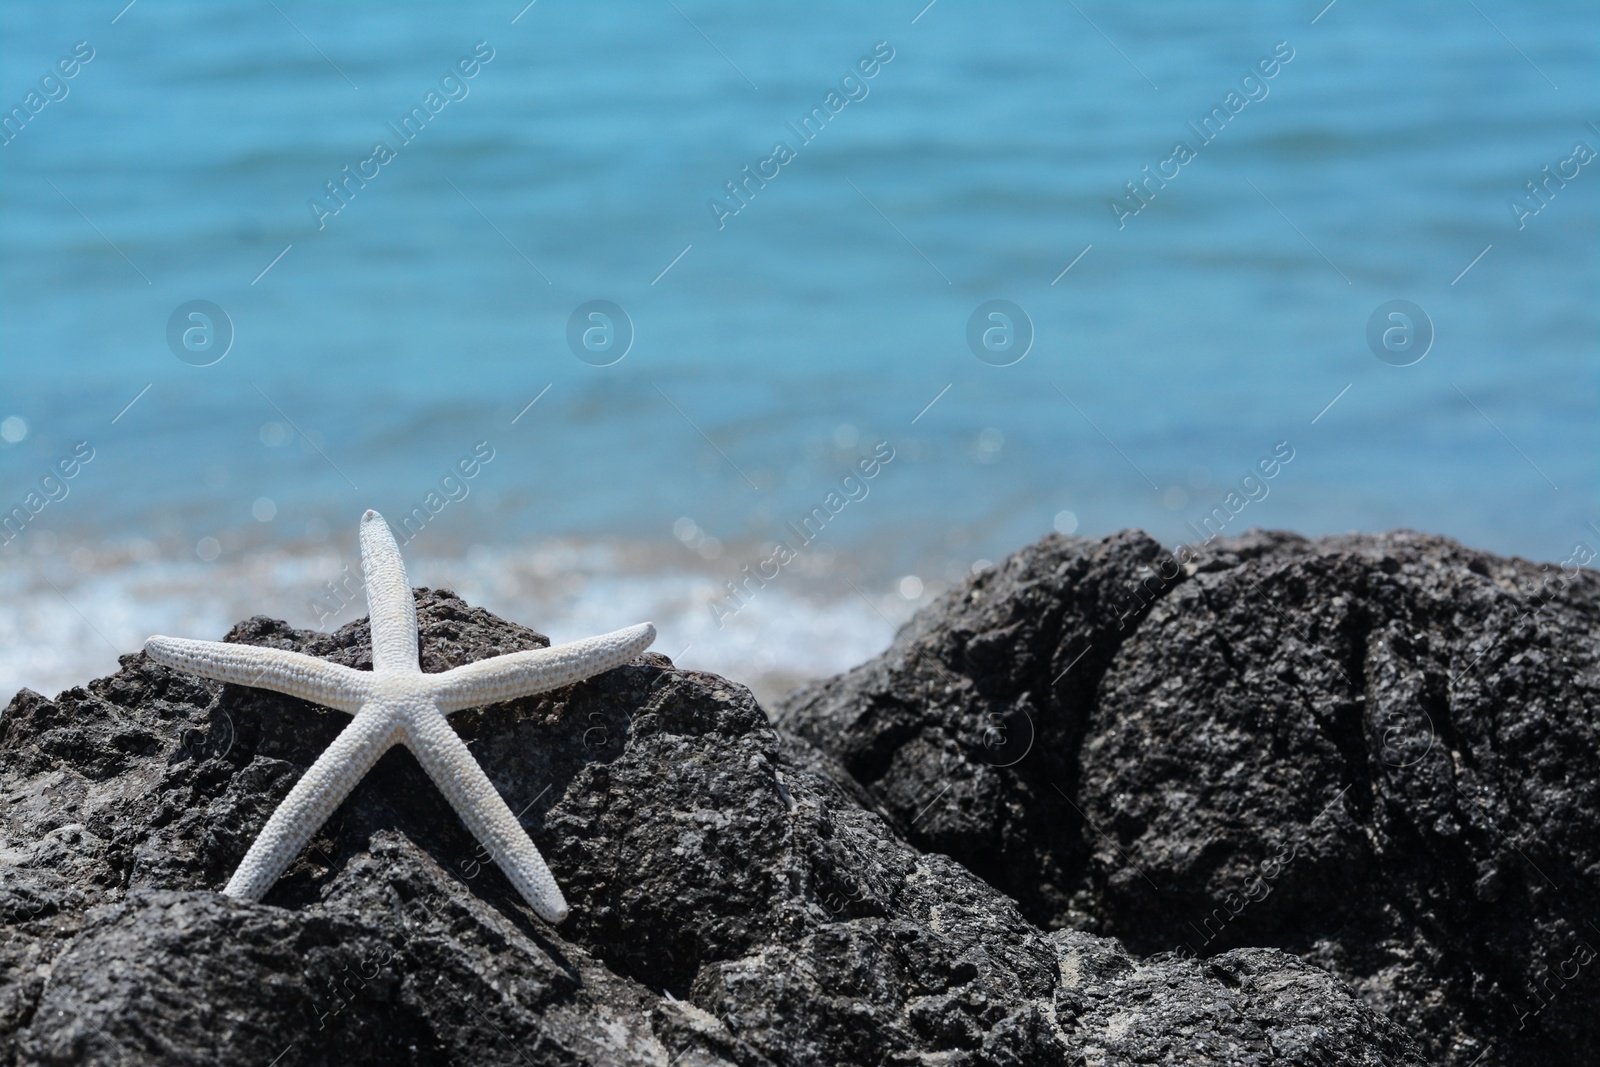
pixel 1298 802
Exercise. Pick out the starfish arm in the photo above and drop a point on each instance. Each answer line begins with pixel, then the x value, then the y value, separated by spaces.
pixel 521 674
pixel 307 677
pixel 314 797
pixel 451 766
pixel 390 605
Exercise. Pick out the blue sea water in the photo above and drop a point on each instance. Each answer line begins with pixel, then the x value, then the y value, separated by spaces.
pixel 373 348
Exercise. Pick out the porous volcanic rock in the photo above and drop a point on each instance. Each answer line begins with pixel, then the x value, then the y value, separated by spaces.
pixel 731 903
pixel 1378 753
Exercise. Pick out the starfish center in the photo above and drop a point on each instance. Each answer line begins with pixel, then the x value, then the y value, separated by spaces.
pixel 398 691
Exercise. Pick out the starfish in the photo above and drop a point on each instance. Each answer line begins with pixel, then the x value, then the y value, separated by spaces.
pixel 396 703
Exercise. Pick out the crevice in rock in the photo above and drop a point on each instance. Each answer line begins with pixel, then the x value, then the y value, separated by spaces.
pixel 1346 726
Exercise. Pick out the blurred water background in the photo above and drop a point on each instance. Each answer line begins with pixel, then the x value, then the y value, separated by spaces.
pixel 374 347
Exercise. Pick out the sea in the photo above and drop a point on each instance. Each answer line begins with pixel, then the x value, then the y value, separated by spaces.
pixel 768 322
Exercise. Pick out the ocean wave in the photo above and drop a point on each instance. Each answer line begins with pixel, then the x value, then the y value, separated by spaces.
pixel 66 615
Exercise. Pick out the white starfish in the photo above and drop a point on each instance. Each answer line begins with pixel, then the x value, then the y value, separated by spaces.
pixel 396 702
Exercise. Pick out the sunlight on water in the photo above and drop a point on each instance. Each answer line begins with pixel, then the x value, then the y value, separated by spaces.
pixel 549 289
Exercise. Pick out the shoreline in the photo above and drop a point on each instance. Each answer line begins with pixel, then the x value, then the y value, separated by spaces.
pixel 68 612
pixel 66 615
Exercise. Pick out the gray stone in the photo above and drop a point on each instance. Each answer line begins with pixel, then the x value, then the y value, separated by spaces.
pixel 732 902
pixel 1375 752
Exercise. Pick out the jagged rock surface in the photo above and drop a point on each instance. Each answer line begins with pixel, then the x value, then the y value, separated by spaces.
pixel 732 904
pixel 1376 752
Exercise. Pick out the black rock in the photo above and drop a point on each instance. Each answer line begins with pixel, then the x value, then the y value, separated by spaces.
pixel 1378 753
pixel 731 902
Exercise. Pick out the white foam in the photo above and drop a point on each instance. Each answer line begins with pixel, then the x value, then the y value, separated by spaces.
pixel 62 625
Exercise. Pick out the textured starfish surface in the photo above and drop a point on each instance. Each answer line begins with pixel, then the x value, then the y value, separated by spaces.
pixel 396 703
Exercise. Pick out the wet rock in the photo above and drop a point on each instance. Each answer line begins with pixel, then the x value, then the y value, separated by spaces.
pixel 732 902
pixel 1375 752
